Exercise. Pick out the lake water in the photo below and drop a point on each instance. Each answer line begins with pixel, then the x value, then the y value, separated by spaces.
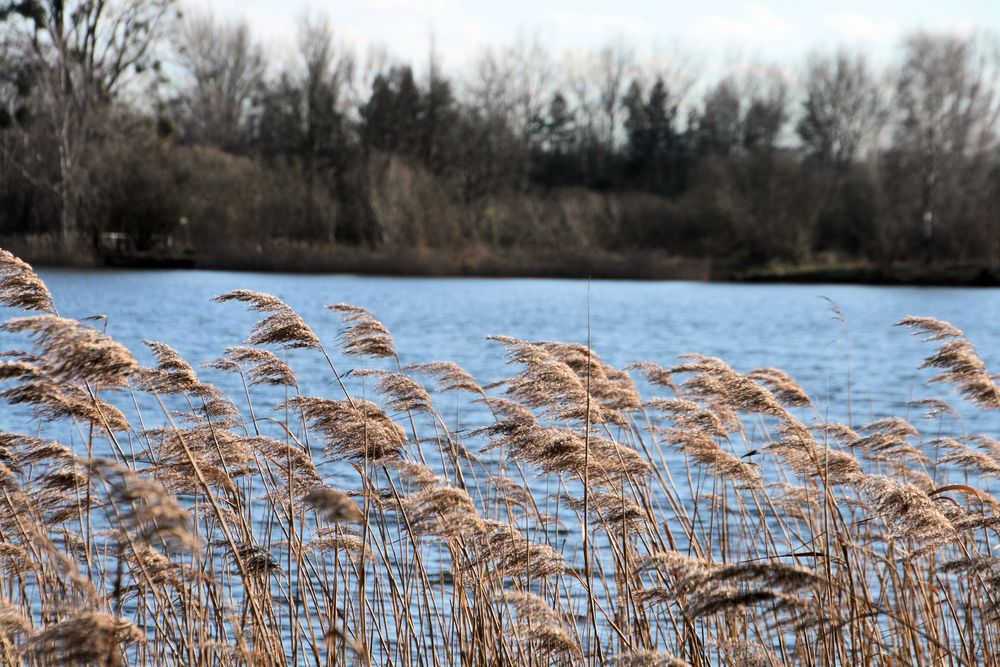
pixel 750 326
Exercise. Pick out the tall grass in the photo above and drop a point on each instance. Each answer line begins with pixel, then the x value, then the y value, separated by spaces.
pixel 720 522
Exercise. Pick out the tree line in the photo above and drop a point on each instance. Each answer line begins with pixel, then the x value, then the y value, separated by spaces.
pixel 122 119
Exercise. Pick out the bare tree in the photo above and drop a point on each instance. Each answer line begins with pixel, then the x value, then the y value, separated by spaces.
pixel 224 68
pixel 767 109
pixel 615 67
pixel 717 126
pixel 325 73
pixel 84 54
pixel 948 103
pixel 843 108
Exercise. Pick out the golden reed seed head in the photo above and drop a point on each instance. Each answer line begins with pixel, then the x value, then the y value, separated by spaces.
pixel 782 385
pixel 810 460
pixel 958 360
pixel 364 336
pixel 689 415
pixel 531 608
pixel 547 382
pixel 335 506
pixel 541 625
pixel 706 451
pixel 910 513
pixel 613 388
pixel 416 474
pixel 357 430
pixel 50 400
pixel 284 327
pixel 616 511
pixel 931 329
pixel 655 375
pixel 742 653
pixel 172 375
pixel 404 394
pixel 350 545
pixel 74 352
pixel 650 658
pixel 509 553
pixel 980 463
pixel 148 511
pixel 20 286
pixel 258 561
pixel 256 301
pixel 12 622
pixel 447 376
pixel 443 511
pixel 287 330
pixel 90 637
pixel 283 455
pixel 509 491
pixel 933 408
pixel 262 366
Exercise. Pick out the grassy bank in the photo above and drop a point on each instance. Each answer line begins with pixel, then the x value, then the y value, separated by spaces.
pixel 287 257
pixel 969 275
pixel 558 516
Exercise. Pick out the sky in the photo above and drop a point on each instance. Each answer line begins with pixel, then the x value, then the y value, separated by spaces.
pixel 709 31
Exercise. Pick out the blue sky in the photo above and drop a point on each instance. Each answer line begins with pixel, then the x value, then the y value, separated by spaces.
pixel 708 31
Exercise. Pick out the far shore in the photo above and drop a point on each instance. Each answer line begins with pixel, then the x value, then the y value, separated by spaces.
pixel 510 263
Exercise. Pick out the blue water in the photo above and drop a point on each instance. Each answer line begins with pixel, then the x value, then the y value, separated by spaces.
pixel 749 326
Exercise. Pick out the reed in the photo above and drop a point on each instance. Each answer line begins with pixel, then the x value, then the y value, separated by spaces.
pixel 553 517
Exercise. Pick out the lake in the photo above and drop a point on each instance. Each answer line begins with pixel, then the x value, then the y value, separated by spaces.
pixel 749 326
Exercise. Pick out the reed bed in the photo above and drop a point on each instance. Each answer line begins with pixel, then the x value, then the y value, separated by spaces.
pixel 718 521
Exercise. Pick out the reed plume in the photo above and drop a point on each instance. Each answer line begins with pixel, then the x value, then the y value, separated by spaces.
pixel 90 637
pixel 540 625
pixel 364 336
pixel 357 430
pixel 20 286
pixel 335 506
pixel 958 361
pixel 284 327
pixel 448 376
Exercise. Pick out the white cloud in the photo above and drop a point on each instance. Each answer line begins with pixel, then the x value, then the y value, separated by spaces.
pixel 962 28
pixel 596 24
pixel 858 27
pixel 756 22
pixel 426 8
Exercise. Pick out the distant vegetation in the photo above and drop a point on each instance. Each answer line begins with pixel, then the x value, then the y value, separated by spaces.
pixel 127 128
